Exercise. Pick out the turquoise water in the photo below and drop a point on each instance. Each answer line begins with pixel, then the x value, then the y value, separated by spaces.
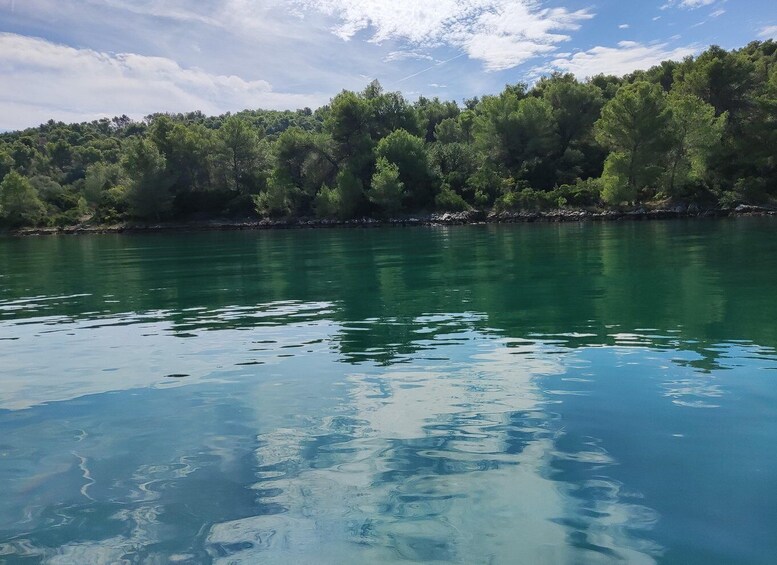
pixel 566 393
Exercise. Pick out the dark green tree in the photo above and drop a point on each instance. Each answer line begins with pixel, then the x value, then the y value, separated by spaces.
pixel 408 153
pixel 243 160
pixel 149 183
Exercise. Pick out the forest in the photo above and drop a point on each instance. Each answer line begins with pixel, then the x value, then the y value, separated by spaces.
pixel 702 130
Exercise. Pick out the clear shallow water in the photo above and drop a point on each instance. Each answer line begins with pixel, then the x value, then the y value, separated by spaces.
pixel 503 394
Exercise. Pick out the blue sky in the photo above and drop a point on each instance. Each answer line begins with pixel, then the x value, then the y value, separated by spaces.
pixel 75 60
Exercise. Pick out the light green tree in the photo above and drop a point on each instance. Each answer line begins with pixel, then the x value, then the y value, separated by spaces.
pixel 19 203
pixel 694 134
pixel 278 198
pixel 635 125
pixel 616 188
pixel 386 189
pixel 100 177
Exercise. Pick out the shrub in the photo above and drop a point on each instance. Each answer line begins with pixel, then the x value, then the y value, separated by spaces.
pixel 450 201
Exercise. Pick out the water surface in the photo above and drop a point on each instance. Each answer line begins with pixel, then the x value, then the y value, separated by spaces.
pixel 487 394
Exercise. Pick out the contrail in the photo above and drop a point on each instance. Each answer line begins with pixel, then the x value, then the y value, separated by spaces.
pixel 430 68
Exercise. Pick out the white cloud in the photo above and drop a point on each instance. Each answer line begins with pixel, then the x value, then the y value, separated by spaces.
pixel 60 82
pixel 405 55
pixel 624 26
pixel 768 32
pixel 623 59
pixel 500 33
pixel 692 4
pixel 686 4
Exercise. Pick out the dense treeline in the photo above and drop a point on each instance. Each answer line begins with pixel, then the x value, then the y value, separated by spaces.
pixel 702 130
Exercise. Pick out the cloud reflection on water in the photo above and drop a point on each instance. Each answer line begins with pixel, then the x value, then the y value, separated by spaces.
pixel 445 464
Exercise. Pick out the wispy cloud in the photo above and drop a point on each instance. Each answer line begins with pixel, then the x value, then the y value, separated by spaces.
pixel 626 57
pixel 407 55
pixel 768 32
pixel 695 3
pixel 686 4
pixel 500 33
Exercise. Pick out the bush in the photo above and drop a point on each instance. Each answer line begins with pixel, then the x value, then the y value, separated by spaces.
pixel 327 202
pixel 113 205
pixel 583 193
pixel 72 216
pixel 241 206
pixel 615 180
pixel 450 201
pixel 729 199
pixel 525 199
pixel 387 190
pixel 342 201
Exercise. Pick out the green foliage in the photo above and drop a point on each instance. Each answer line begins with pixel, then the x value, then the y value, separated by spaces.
pixel 243 159
pixel 487 183
pixel 344 200
pixel 389 112
pixel 518 134
pixel 454 164
pixel 449 201
pixel 526 199
pixel 635 126
pixel 718 77
pixel 277 199
pixel 386 190
pixel 73 215
pixel 408 153
pixel 327 204
pixel 349 123
pixel 575 108
pixel 99 178
pixel 586 192
pixel 305 161
pixel 19 203
pixel 113 206
pixel 6 161
pixel 149 192
pixel 449 131
pixel 617 187
pixel 431 113
pixel 694 133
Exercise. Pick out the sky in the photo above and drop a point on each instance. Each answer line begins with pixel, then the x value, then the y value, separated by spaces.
pixel 77 60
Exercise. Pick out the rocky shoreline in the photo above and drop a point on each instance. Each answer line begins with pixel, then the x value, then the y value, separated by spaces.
pixel 435 219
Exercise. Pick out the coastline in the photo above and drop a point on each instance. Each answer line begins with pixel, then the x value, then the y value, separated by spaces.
pixel 435 219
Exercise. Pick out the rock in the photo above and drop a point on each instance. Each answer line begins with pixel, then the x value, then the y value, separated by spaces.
pixel 749 209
